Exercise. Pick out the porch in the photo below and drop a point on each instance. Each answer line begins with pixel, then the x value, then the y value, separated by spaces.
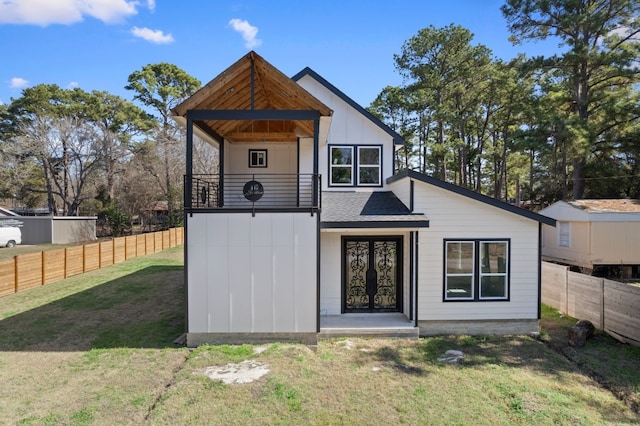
pixel 373 325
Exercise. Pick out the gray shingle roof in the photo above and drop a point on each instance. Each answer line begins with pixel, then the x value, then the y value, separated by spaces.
pixel 367 209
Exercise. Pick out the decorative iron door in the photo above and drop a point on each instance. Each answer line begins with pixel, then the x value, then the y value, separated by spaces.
pixel 372 274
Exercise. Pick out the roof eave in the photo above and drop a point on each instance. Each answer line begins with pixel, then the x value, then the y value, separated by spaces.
pixel 397 139
pixel 473 195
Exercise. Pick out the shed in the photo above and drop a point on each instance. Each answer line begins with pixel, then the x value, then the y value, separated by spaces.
pixel 58 229
pixel 596 234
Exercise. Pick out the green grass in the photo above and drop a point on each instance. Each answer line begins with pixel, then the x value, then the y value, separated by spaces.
pixel 98 349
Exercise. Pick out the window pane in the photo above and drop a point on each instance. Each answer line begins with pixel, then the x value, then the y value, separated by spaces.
pixel 459 257
pixel 369 175
pixel 564 234
pixel 494 255
pixel 342 156
pixel 369 156
pixel 459 287
pixel 340 175
pixel 493 287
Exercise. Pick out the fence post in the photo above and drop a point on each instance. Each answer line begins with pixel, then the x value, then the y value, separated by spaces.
pixel 15 274
pixel 566 291
pixel 602 304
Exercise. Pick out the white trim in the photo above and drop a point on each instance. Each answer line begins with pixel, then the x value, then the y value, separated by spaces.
pixel 564 234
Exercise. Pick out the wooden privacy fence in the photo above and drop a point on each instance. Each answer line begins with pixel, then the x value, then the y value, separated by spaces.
pixel 35 269
pixel 611 306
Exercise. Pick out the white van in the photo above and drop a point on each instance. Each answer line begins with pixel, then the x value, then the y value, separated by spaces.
pixel 10 236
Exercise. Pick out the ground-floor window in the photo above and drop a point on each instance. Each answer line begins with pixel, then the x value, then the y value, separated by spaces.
pixel 476 270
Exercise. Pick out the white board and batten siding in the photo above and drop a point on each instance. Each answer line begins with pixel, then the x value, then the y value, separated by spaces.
pixel 453 216
pixel 252 274
pixel 348 127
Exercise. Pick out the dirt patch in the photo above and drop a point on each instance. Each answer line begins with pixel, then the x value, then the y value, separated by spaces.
pixel 236 373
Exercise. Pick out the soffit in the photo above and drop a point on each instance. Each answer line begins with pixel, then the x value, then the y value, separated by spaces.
pixel 253 84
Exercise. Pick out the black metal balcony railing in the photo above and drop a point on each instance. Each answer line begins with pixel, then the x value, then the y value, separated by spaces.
pixel 254 191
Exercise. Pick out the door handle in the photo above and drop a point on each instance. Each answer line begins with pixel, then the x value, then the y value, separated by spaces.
pixel 372 282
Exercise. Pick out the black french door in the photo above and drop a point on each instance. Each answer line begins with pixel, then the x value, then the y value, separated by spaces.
pixel 372 274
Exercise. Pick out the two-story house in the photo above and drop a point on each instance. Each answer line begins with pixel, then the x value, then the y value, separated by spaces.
pixel 306 229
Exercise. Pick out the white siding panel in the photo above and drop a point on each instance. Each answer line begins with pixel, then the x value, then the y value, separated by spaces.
pixel 239 229
pixel 348 127
pixel 283 234
pixel 240 297
pixel 281 157
pixel 197 255
pixel 402 190
pixel 454 216
pixel 305 280
pixel 262 288
pixel 217 262
pixel 284 288
pixel 330 275
pixel 306 155
pixel 252 274
pixel 262 230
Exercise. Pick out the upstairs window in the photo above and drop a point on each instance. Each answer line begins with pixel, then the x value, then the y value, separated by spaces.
pixel 342 165
pixel 355 165
pixel 368 165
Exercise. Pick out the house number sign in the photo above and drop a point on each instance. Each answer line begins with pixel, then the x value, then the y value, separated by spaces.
pixel 253 190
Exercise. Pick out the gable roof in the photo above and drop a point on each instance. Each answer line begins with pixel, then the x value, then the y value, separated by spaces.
pixel 397 139
pixel 624 205
pixel 376 209
pixel 252 84
pixel 605 210
pixel 473 195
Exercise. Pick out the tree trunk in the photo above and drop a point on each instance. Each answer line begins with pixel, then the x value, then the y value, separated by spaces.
pixel 578 179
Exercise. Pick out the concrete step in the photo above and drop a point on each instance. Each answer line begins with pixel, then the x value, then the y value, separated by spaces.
pixel 370 332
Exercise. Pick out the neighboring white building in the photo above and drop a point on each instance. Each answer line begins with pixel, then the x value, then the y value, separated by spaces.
pixel 591 234
pixel 308 229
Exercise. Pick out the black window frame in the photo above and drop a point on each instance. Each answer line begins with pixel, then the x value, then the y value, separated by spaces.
pixel 476 272
pixel 257 151
pixel 355 167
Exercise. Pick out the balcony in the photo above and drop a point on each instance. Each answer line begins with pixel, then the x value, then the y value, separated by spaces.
pixel 256 191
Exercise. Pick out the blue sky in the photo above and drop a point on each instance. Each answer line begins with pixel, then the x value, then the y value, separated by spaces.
pixel 96 44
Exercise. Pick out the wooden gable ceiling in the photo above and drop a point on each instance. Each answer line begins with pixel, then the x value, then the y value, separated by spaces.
pixel 253 84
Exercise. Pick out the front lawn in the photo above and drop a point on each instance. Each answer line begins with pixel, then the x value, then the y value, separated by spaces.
pixel 98 349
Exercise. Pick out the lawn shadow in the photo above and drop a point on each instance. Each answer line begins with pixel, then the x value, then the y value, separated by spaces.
pixel 507 351
pixel 144 309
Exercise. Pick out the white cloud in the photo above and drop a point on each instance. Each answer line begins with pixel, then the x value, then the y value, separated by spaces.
pixel 46 12
pixel 248 31
pixel 154 36
pixel 151 4
pixel 18 83
pixel 73 85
